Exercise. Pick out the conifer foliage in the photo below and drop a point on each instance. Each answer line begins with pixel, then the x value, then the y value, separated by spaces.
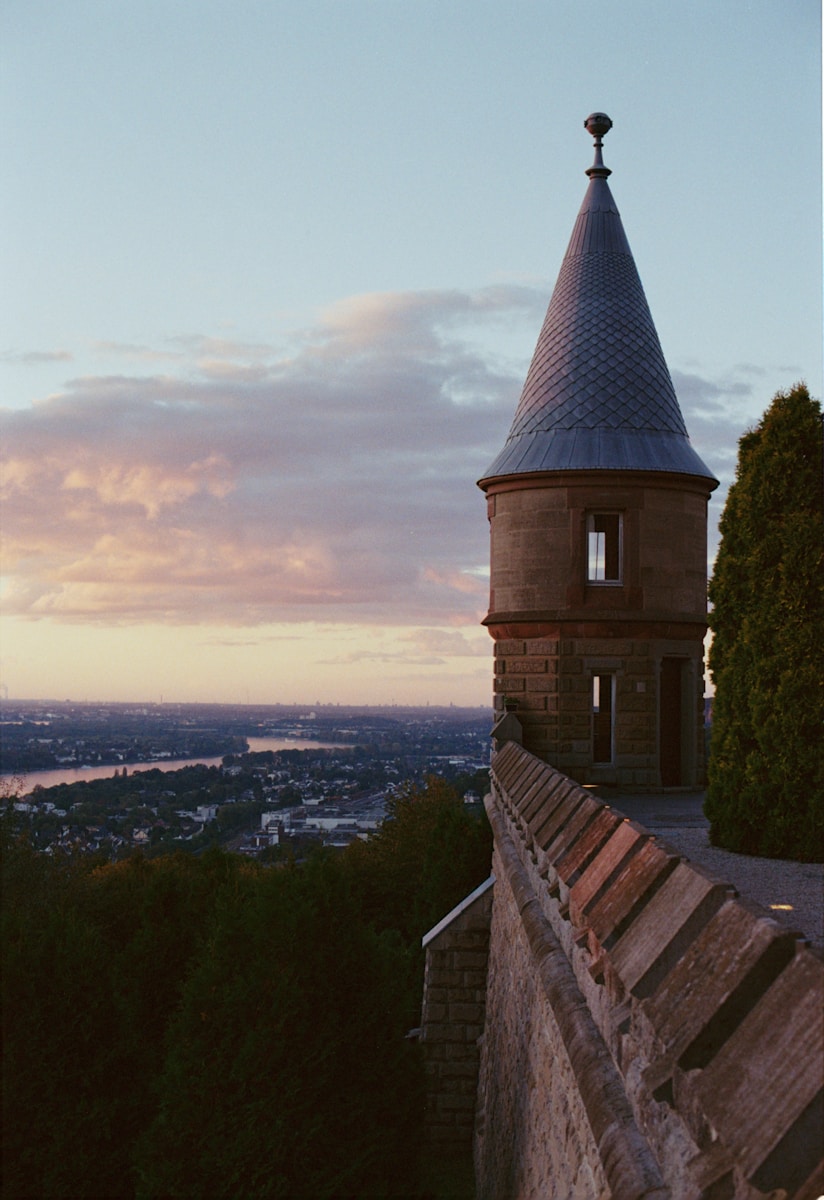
pixel 766 768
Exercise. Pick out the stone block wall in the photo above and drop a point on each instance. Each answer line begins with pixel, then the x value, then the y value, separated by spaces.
pixel 554 627
pixel 452 1020
pixel 533 1137
pixel 647 1033
pixel 538 546
pixel 551 681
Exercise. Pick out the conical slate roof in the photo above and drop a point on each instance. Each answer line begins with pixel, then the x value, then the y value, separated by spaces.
pixel 598 395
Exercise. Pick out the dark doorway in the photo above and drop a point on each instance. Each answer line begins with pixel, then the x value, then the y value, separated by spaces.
pixel 602 710
pixel 671 723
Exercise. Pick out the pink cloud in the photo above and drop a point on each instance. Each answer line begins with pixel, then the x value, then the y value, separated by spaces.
pixel 338 481
pixel 243 486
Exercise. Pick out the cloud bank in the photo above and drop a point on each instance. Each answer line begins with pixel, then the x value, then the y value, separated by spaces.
pixel 244 486
pixel 238 483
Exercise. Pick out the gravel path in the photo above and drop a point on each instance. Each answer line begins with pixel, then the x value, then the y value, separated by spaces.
pixel 770 882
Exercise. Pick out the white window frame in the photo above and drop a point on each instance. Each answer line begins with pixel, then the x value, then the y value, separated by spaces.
pixel 598 552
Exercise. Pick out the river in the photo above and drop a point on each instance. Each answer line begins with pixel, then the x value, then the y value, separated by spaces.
pixel 50 778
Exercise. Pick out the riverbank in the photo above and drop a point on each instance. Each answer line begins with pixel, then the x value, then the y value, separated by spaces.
pixel 54 777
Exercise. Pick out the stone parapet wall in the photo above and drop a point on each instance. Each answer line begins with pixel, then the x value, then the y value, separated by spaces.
pixel 647 1032
pixel 552 1119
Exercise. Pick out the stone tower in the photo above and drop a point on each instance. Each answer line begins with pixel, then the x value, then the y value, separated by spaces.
pixel 598 514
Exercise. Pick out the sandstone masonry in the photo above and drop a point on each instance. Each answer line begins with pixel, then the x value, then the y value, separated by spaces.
pixel 453 1017
pixel 646 1033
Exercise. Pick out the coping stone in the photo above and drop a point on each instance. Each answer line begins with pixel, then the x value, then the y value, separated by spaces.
pixel 767 1079
pixel 555 821
pixel 735 958
pixel 627 840
pixel 577 856
pixel 665 928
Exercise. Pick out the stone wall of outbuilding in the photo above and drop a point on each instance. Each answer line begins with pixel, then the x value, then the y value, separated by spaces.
pixel 452 1020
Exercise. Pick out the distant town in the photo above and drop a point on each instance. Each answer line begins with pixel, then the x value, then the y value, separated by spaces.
pixel 267 781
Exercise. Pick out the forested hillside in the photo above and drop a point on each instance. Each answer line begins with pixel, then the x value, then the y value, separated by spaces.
pixel 208 1026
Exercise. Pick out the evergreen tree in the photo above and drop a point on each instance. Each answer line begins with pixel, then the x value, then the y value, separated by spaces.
pixel 766 768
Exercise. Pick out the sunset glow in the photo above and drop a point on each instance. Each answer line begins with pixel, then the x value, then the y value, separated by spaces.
pixel 266 321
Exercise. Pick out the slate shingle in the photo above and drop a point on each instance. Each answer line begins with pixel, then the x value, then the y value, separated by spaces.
pixel 598 395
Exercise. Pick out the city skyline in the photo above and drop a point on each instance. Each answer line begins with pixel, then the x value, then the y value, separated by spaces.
pixel 276 277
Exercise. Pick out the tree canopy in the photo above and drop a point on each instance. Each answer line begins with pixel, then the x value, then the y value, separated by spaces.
pixel 766 767
pixel 208 1026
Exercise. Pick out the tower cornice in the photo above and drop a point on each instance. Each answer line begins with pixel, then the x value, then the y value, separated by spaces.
pixel 608 477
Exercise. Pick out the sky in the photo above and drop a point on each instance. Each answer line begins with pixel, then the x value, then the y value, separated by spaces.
pixel 273 275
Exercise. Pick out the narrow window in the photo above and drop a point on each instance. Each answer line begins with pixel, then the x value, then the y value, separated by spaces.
pixel 602 709
pixel 604 548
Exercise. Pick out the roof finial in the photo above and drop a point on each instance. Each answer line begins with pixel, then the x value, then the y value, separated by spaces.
pixel 598 124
